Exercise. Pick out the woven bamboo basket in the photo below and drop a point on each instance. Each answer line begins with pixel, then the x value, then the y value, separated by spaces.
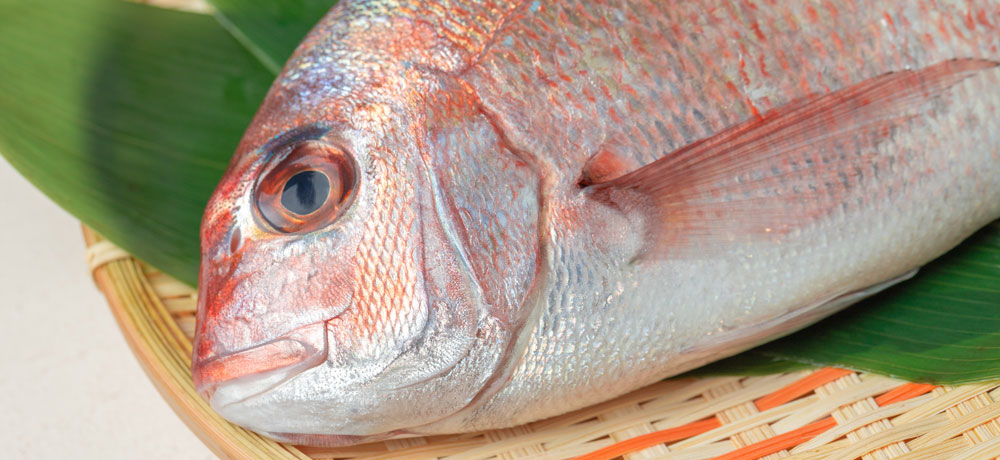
pixel 818 414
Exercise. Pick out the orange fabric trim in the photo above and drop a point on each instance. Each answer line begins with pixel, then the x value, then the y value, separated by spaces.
pixel 649 440
pixel 801 387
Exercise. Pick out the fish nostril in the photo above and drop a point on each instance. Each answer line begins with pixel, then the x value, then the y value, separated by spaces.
pixel 235 241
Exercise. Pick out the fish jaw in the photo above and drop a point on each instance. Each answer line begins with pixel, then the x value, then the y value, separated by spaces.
pixel 330 402
pixel 230 378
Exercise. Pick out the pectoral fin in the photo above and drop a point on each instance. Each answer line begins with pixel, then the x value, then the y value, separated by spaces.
pixel 788 168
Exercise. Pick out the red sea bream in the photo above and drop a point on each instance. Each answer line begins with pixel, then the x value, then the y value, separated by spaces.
pixel 461 215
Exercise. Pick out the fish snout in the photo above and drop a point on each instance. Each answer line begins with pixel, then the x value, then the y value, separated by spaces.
pixel 233 377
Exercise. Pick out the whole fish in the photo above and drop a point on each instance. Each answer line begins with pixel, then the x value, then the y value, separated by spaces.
pixel 460 215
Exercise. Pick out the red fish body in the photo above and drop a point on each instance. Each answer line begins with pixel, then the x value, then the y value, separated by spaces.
pixel 452 216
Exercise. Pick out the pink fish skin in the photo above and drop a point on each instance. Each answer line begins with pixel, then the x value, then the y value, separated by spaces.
pixel 452 216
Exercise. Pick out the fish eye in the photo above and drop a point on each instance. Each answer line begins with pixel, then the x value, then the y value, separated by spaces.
pixel 308 190
pixel 305 192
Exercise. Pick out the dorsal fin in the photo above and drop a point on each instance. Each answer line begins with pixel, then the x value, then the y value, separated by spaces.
pixel 788 168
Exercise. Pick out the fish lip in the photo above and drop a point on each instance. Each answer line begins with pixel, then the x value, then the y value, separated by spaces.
pixel 260 368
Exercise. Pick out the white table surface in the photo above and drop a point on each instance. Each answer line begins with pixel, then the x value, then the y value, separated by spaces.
pixel 69 385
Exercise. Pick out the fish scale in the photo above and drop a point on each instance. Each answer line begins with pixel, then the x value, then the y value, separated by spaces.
pixel 559 202
pixel 710 39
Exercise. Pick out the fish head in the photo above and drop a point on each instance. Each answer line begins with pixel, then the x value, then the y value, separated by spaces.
pixel 334 305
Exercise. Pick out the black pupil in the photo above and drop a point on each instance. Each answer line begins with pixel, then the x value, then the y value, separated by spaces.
pixel 305 192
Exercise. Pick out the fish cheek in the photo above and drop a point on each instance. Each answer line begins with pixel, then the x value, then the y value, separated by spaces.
pixel 406 360
pixel 388 310
pixel 267 290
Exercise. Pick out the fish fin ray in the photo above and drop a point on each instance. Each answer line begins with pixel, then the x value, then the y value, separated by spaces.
pixel 783 170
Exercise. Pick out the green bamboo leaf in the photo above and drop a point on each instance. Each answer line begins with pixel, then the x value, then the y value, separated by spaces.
pixel 270 29
pixel 126 115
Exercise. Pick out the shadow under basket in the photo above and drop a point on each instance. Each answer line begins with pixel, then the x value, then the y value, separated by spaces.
pixel 815 414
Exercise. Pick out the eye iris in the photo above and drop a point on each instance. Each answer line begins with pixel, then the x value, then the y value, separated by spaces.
pixel 305 192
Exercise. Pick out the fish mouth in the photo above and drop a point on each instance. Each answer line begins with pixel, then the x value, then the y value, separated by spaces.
pixel 235 377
